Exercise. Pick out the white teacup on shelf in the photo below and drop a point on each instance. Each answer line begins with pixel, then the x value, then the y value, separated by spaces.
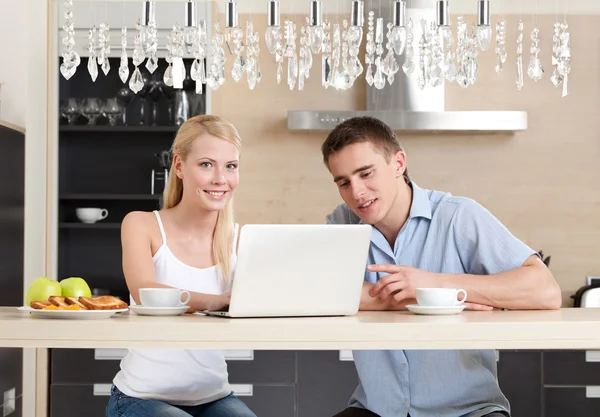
pixel 91 214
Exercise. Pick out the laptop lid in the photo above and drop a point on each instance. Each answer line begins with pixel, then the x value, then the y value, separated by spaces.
pixel 299 270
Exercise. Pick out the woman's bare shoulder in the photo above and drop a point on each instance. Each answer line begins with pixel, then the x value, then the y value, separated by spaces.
pixel 138 221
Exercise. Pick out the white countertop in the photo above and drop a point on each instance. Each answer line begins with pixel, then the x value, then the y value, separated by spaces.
pixel 570 328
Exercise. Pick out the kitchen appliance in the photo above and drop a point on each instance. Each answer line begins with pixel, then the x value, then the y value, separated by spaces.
pixel 159 177
pixel 403 105
pixel 588 296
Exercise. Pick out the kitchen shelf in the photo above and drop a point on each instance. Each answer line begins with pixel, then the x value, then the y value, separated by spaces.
pixel 115 129
pixel 74 225
pixel 132 197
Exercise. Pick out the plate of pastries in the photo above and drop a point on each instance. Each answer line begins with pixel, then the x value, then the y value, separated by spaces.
pixel 79 308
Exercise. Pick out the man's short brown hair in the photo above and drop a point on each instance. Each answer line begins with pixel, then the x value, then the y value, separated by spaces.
pixel 363 129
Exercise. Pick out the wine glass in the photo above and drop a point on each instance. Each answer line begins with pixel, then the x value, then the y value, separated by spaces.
pixel 70 109
pixel 124 95
pixel 112 110
pixel 155 92
pixel 92 109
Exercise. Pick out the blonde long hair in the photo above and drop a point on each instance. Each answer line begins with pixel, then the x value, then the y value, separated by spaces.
pixel 222 244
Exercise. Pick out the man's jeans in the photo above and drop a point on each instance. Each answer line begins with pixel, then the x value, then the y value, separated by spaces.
pixel 361 412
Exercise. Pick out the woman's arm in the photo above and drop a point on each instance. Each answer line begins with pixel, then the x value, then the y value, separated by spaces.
pixel 138 267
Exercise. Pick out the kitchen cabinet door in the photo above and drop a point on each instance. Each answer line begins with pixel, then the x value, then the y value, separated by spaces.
pixel 325 382
pixel 571 367
pixel 82 366
pixel 572 401
pixel 261 367
pixel 271 400
pixel 11 371
pixel 87 400
pixel 520 379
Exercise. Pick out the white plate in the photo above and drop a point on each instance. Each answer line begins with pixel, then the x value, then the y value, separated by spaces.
pixel 71 314
pixel 417 309
pixel 158 311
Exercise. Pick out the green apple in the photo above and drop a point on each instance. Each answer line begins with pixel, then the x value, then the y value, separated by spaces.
pixel 75 287
pixel 41 289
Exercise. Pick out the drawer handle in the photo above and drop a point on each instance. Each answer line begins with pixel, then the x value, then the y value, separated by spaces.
pixel 346 355
pixel 109 354
pixel 242 390
pixel 239 355
pixel 102 390
pixel 592 392
pixel 592 355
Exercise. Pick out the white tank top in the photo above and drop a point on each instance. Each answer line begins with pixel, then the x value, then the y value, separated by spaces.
pixel 179 377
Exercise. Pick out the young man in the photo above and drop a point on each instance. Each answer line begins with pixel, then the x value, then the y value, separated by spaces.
pixel 424 238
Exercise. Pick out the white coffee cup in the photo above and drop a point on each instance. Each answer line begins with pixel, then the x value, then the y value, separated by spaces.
pixel 163 297
pixel 440 297
pixel 91 214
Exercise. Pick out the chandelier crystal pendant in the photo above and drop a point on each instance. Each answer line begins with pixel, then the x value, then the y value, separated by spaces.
pixel 234 40
pixel 398 38
pixel 484 30
pixel 273 36
pixel 149 35
pixel 446 41
pixel 354 37
pixel 316 26
pixel 123 65
pixel 71 58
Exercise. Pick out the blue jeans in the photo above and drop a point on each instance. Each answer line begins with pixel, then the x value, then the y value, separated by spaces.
pixel 121 405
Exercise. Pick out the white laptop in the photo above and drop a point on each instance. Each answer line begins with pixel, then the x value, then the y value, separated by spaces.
pixel 286 270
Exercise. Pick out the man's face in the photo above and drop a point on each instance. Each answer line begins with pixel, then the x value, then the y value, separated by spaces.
pixel 367 183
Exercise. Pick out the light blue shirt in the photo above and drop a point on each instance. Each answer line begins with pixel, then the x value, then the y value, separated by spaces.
pixel 444 234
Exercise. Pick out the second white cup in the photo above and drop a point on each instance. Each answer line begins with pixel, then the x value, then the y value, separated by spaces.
pixel 163 297
pixel 440 297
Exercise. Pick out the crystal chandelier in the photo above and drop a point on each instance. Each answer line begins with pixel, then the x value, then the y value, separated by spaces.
pixel 425 50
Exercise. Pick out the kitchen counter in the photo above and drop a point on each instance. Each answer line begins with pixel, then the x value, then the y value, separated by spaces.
pixel 569 328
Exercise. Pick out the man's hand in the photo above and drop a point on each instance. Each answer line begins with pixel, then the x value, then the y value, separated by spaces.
pixel 478 307
pixel 399 286
pixel 401 282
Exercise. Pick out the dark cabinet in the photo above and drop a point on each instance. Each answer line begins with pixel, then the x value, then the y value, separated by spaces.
pixel 520 379
pixel 266 367
pixel 81 366
pixel 572 401
pixel 325 383
pixel 12 189
pixel 571 367
pixel 78 400
pixel 272 400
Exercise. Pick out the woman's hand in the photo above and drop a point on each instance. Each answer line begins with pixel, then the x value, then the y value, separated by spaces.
pixel 220 302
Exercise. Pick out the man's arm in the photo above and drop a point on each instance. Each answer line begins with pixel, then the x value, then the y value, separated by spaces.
pixel 375 303
pixel 532 286
pixel 501 271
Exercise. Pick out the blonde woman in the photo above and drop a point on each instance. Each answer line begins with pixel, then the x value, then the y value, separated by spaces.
pixel 188 244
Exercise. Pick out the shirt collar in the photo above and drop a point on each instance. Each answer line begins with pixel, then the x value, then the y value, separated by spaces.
pixel 420 206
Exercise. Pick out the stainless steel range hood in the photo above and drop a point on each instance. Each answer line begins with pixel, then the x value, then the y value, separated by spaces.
pixel 405 107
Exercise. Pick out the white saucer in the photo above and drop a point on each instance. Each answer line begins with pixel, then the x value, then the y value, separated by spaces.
pixel 71 314
pixel 435 310
pixel 158 311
